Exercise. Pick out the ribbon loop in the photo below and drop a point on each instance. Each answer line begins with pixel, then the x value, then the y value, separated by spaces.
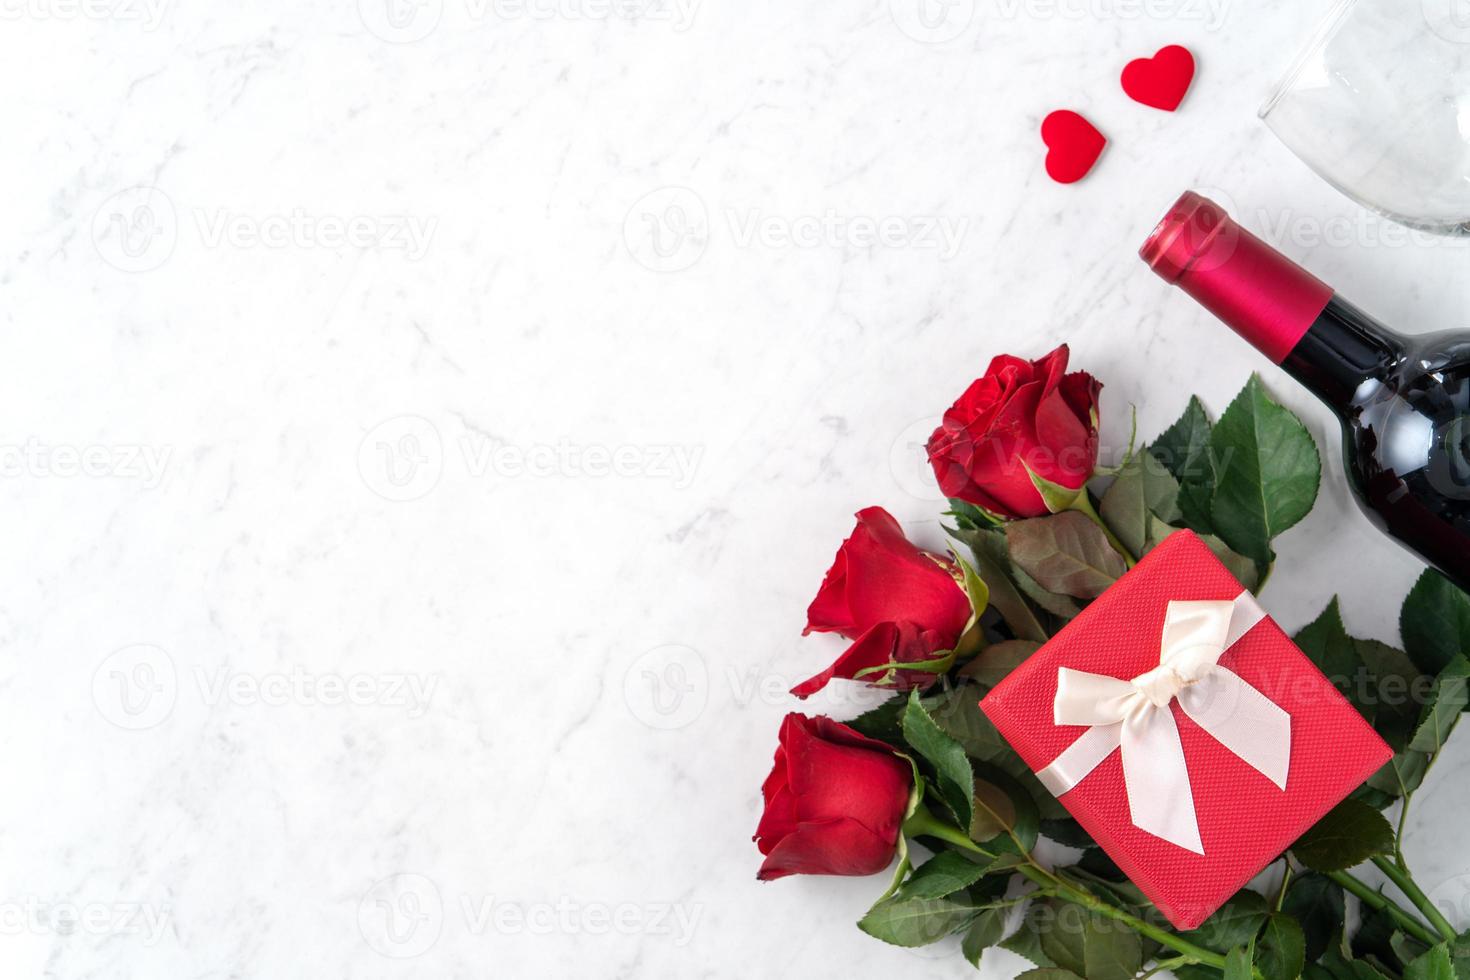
pixel 1135 717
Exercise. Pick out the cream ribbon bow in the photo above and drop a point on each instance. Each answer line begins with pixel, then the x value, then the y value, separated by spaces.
pixel 1135 716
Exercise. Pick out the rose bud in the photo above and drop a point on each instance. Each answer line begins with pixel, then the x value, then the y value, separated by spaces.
pixel 835 802
pixel 897 603
pixel 1020 415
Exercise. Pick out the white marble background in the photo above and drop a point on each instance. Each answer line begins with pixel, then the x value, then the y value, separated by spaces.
pixel 423 424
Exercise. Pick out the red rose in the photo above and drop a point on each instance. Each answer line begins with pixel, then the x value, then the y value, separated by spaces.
pixel 1021 412
pixel 899 604
pixel 835 802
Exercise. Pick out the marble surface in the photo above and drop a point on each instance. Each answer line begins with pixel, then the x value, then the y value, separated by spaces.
pixel 423 424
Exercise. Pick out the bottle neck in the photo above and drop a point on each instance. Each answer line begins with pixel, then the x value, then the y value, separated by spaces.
pixel 1259 293
pixel 1343 348
pixel 1288 314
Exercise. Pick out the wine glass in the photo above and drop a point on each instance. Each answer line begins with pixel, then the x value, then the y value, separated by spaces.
pixel 1379 106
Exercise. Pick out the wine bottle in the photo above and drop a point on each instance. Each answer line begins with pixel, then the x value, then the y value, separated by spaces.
pixel 1403 401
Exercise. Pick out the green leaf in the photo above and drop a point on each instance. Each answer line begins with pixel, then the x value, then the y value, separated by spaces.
pixel 957 713
pixel 1448 697
pixel 987 930
pixel 1317 905
pixel 1238 964
pixel 944 874
pixel 1281 950
pixel 1026 941
pixel 1268 472
pixel 1402 774
pixel 916 922
pixel 1245 570
pixel 885 722
pixel 1235 924
pixel 1435 622
pixel 1184 449
pixel 993 560
pixel 1003 807
pixel 1059 605
pixel 1143 492
pixel 1460 955
pixel 1348 835
pixel 1433 965
pixel 1065 553
pixel 1048 973
pixel 995 663
pixel 1063 939
pixel 955 780
pixel 1326 643
pixel 1406 949
pixel 1056 497
pixel 1394 678
pixel 1111 951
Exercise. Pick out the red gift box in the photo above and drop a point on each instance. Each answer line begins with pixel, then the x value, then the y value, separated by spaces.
pixel 1244 819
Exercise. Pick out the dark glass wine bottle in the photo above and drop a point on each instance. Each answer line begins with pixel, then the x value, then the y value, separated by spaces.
pixel 1404 402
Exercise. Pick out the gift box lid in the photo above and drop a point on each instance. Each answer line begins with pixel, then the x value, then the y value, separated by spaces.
pixel 1244 819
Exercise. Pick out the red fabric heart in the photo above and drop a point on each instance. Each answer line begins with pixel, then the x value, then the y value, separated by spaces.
pixel 1073 144
pixel 1162 80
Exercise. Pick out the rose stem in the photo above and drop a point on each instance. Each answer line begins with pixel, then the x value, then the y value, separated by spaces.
pixel 1410 888
pixel 924 823
pixel 1383 904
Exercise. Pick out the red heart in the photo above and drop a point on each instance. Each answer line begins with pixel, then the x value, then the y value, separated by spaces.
pixel 1162 80
pixel 1074 144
